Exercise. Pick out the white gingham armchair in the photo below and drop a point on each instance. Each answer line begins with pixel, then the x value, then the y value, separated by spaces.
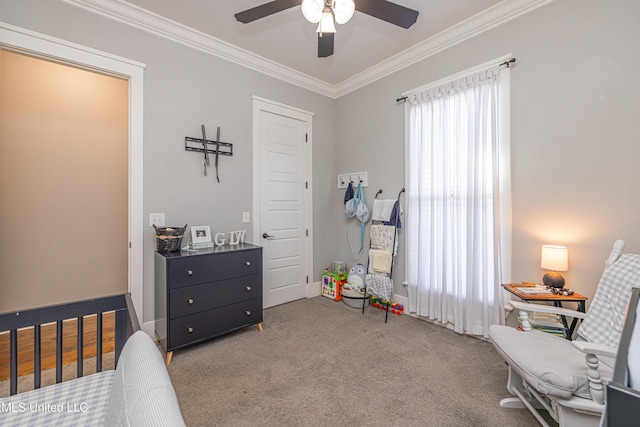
pixel 566 377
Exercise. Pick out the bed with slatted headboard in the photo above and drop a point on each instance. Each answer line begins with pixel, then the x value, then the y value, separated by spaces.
pixel 137 392
pixel 126 323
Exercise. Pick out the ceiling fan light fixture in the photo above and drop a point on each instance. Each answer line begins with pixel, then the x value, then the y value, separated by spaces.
pixel 326 24
pixel 326 13
pixel 343 10
pixel 312 10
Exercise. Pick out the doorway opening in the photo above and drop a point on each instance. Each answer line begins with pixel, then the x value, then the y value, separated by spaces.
pixel 38 45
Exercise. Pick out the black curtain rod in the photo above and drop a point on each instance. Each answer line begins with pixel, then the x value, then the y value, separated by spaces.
pixel 507 63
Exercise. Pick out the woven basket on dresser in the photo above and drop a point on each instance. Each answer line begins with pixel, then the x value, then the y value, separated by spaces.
pixel 169 239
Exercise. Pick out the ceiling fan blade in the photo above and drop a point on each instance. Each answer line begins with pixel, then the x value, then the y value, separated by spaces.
pixel 266 9
pixel 389 12
pixel 325 45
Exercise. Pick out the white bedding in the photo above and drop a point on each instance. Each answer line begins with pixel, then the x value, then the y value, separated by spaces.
pixel 79 402
pixel 137 394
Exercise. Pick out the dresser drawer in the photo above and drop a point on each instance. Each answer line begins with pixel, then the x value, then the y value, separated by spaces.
pixel 193 299
pixel 211 323
pixel 208 268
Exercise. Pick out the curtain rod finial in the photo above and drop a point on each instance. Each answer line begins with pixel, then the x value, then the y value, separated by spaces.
pixel 508 62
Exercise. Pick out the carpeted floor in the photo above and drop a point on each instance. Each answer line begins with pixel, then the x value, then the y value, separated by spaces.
pixel 321 363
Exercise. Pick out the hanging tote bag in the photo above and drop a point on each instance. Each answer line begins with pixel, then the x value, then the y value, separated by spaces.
pixel 348 195
pixel 357 208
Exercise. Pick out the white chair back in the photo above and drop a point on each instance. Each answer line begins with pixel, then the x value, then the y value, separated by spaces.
pixel 606 315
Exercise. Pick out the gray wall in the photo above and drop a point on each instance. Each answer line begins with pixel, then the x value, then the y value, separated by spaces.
pixel 574 132
pixel 185 88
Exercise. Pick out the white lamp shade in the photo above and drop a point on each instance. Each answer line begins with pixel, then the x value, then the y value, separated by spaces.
pixel 343 10
pixel 326 23
pixel 312 10
pixel 554 258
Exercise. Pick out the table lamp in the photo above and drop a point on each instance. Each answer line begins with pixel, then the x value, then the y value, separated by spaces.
pixel 554 258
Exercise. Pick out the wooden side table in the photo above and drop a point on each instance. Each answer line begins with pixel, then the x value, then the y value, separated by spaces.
pixel 554 299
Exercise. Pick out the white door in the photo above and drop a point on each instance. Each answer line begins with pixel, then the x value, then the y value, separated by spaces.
pixel 280 164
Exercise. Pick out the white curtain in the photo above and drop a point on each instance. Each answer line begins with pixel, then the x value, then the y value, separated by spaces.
pixel 457 197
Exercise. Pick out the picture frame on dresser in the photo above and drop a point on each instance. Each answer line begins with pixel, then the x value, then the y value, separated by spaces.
pixel 200 234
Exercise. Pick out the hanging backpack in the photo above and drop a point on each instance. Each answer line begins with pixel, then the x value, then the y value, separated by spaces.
pixel 356 207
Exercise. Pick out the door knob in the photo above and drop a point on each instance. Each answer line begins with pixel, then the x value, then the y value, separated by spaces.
pixel 267 236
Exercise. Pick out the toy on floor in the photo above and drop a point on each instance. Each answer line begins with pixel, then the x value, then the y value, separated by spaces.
pixel 382 304
pixel 332 284
pixel 338 267
pixel 356 278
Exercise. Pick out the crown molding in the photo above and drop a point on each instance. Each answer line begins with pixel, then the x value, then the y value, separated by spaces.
pixel 142 19
pixel 471 27
pixel 134 16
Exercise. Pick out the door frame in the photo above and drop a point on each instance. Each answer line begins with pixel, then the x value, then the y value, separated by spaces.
pixel 50 48
pixel 262 104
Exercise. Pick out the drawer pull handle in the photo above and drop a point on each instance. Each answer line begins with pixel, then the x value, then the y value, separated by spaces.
pixel 248 263
pixel 190 329
pixel 248 288
pixel 248 313
pixel 190 273
pixel 190 300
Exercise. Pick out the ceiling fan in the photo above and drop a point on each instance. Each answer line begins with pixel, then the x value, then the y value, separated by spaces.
pixel 327 12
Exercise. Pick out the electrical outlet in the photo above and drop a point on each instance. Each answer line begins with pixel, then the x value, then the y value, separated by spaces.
pixel 156 219
pixel 246 217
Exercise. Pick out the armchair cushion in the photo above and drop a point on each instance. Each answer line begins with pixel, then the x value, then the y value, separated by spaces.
pixel 548 363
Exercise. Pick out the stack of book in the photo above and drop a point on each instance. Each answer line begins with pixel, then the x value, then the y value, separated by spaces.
pixel 533 290
pixel 546 322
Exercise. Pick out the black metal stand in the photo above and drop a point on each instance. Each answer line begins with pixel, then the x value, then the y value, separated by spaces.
pixel 395 235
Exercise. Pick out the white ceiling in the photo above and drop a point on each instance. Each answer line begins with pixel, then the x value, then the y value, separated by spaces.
pixel 285 44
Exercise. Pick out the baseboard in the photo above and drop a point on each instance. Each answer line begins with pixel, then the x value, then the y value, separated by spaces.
pixel 150 328
pixel 404 301
pixel 314 289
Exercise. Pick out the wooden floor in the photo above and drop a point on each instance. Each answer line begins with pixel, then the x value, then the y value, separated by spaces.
pixel 48 344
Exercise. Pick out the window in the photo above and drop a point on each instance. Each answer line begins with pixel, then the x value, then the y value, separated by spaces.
pixel 458 192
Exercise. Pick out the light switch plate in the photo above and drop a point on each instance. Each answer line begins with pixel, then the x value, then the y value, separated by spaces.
pixel 246 217
pixel 156 219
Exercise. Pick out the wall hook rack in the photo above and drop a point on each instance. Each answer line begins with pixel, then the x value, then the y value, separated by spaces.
pixel 201 145
pixel 354 178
